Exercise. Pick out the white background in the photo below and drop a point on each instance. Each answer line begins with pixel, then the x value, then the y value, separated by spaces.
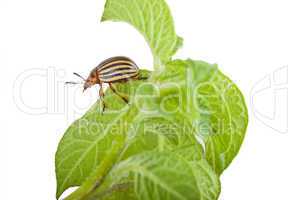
pixel 251 40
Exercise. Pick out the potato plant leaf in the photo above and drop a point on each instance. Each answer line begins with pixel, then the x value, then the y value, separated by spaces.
pixel 152 18
pixel 88 140
pixel 204 97
pixel 160 176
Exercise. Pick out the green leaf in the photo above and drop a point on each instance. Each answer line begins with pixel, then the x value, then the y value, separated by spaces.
pixel 88 140
pixel 209 101
pixel 228 116
pixel 160 176
pixel 152 18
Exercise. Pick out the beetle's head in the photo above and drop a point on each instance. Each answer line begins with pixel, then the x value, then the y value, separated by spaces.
pixel 91 80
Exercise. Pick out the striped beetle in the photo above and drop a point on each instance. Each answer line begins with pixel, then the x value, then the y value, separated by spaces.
pixel 112 70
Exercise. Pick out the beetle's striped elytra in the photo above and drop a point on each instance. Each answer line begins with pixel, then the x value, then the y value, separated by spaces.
pixel 111 70
pixel 116 69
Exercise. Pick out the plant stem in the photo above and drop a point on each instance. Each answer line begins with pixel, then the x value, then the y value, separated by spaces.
pixel 158 66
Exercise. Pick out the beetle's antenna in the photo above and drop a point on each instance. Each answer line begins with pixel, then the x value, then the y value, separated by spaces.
pixel 79 76
pixel 74 83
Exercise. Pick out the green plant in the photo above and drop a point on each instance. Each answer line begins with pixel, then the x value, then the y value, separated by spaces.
pixel 183 127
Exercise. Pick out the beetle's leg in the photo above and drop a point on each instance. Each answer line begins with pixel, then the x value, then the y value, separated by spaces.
pixel 141 78
pixel 101 95
pixel 115 91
